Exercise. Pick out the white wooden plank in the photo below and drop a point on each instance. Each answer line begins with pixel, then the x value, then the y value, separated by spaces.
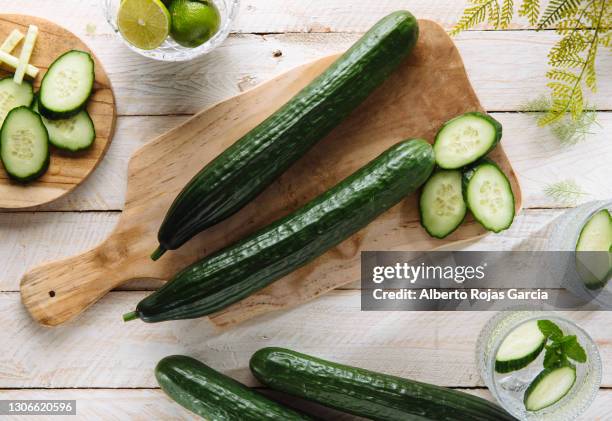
pixel 152 404
pixel 267 16
pixel 29 239
pixel 537 156
pixel 100 350
pixel 506 68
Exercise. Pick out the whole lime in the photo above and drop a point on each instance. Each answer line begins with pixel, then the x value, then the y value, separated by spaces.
pixel 193 21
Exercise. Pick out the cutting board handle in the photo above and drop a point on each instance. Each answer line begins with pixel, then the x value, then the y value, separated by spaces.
pixel 55 292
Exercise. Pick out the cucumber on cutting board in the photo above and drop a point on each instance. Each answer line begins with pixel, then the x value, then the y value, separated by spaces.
pixel 71 134
pixel 246 168
pixel 594 250
pixel 13 95
pixel 366 393
pixel 249 265
pixel 67 85
pixel 549 387
pixel 489 196
pixel 215 396
pixel 465 139
pixel 521 347
pixel 24 145
pixel 441 204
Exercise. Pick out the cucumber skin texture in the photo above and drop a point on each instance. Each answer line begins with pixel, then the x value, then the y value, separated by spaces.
pixel 44 167
pixel 366 393
pixel 469 173
pixel 498 134
pixel 540 377
pixel 237 271
pixel 57 115
pixel 432 234
pixel 214 396
pixel 513 365
pixel 246 168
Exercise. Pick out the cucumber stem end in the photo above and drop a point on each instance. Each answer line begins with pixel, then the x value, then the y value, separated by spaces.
pixel 159 252
pixel 132 315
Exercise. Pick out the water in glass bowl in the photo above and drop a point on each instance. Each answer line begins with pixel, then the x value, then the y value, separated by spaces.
pixel 509 388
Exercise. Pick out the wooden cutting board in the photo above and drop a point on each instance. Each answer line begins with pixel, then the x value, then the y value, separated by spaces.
pixel 428 89
pixel 66 170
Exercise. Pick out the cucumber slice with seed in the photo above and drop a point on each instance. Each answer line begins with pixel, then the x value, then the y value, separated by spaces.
pixel 593 250
pixel 72 134
pixel 24 145
pixel 441 204
pixel 13 95
pixel 67 85
pixel 465 139
pixel 489 196
pixel 521 347
pixel 549 387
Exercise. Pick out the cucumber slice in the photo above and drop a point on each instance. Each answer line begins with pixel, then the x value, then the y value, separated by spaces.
pixel 13 95
pixel 489 196
pixel 549 387
pixel 593 256
pixel 465 139
pixel 72 134
pixel 441 204
pixel 24 145
pixel 67 85
pixel 520 348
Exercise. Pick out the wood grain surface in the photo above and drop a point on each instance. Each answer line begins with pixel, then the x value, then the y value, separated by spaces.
pixel 56 292
pixel 66 170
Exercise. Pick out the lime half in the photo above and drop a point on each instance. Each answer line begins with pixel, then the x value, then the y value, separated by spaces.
pixel 144 23
pixel 193 21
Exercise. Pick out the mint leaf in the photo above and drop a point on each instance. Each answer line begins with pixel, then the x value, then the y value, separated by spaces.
pixel 550 330
pixel 573 350
pixel 551 357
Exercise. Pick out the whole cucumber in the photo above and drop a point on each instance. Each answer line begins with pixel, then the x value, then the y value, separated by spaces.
pixel 249 265
pixel 366 393
pixel 215 396
pixel 246 168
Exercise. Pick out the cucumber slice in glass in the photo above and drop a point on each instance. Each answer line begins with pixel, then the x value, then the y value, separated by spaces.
pixel 520 348
pixel 67 85
pixel 489 196
pixel 441 204
pixel 593 250
pixel 13 95
pixel 549 387
pixel 24 145
pixel 465 139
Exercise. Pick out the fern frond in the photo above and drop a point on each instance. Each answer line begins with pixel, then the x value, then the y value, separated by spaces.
pixel 476 13
pixel 570 131
pixel 531 10
pixel 565 192
pixel 557 10
pixel 507 11
pixel 561 75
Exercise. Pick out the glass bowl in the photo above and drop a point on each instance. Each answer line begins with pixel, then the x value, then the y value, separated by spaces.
pixel 170 50
pixel 509 388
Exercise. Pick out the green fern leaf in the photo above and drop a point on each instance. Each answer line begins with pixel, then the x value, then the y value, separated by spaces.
pixel 474 14
pixel 556 10
pixel 531 10
pixel 561 75
pixel 507 11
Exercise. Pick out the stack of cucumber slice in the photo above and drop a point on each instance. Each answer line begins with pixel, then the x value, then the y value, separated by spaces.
pixel 57 116
pixel 466 179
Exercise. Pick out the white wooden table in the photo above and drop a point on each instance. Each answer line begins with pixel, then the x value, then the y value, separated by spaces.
pixel 107 366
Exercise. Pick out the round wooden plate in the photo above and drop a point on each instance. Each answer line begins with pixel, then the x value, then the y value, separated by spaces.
pixel 67 170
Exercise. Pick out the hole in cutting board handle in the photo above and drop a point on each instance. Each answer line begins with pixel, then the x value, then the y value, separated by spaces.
pixel 51 294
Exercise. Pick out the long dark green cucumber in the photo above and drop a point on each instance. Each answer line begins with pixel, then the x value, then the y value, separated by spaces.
pixel 215 396
pixel 247 167
pixel 366 393
pixel 237 271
